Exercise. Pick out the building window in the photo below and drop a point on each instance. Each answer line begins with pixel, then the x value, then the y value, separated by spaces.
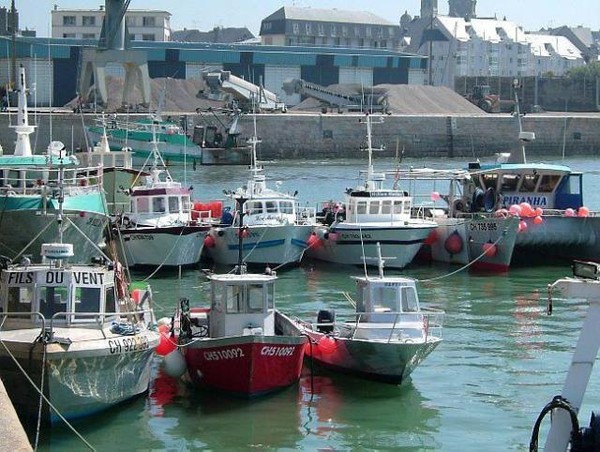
pixel 69 21
pixel 148 21
pixel 308 29
pixel 148 37
pixel 296 28
pixel 69 35
pixel 88 35
pixel 333 30
pixel 344 30
pixel 321 29
pixel 88 21
pixel 368 32
pixel 130 21
pixel 267 26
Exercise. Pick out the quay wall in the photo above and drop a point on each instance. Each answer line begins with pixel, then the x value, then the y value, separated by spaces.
pixel 332 135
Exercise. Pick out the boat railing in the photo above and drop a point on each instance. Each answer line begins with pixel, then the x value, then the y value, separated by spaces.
pixel 84 319
pixel 391 326
pixel 306 215
pixel 38 181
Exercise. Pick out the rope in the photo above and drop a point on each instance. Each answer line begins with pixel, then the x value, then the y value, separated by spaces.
pixel 41 392
pixel 41 402
pixel 167 256
pixel 466 266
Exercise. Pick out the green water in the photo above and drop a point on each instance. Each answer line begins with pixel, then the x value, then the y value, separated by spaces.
pixel 502 359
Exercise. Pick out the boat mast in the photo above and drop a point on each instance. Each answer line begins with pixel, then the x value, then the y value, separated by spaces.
pixel 22 128
pixel 240 200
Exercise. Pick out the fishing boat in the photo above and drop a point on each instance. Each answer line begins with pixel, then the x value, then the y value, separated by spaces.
pixel 29 193
pixel 157 229
pixel 209 144
pixel 565 432
pixel 370 215
pixel 386 337
pixel 276 229
pixel 478 238
pixel 555 223
pixel 235 345
pixel 73 341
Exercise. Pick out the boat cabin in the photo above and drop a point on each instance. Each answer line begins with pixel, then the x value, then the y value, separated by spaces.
pixel 385 298
pixel 540 185
pixel 242 304
pixel 164 199
pixel 58 293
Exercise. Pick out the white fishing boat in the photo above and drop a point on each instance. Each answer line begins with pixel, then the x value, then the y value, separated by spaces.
pixel 371 215
pixel 478 238
pixel 73 341
pixel 275 228
pixel 235 345
pixel 555 223
pixel 157 229
pixel 386 337
pixel 29 193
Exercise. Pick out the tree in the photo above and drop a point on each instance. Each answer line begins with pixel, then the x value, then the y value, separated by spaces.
pixel 589 71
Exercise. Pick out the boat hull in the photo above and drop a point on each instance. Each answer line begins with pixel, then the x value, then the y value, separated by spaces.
pixel 246 366
pixel 169 246
pixel 272 245
pixel 560 237
pixel 79 379
pixel 389 362
pixel 348 243
pixel 483 243
pixel 19 228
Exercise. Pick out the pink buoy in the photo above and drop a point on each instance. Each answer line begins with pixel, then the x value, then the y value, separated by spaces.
pixel 515 210
pixel 538 220
pixel 313 241
pixel 539 211
pixel 583 212
pixel 501 213
pixel 526 210
pixel 569 212
pixel 489 249
pixel 435 196
pixel 522 226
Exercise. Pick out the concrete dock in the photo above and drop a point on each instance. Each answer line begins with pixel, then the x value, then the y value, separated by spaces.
pixel 12 435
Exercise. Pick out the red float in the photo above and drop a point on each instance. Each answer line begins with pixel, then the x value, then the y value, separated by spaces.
pixel 454 243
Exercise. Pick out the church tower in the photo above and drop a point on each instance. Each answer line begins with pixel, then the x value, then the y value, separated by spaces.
pixel 462 8
pixel 429 8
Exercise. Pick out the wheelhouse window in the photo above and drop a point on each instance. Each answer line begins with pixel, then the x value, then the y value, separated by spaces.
pixel 255 298
pixel 361 207
pixel 158 204
pixel 374 207
pixel 19 299
pixel 529 182
pixel 286 206
pixel 509 182
pixel 142 205
pixel 247 299
pixel 87 299
pixel 174 204
pixel 386 206
pixel 409 299
pixel 489 180
pixel 186 204
pixel 398 206
pixel 386 299
pixel 111 304
pixel 271 206
pixel 549 183
pixel 254 207
pixel 53 300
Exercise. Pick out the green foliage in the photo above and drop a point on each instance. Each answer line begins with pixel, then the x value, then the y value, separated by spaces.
pixel 589 71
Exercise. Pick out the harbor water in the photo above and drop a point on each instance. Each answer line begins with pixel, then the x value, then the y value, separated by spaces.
pixel 502 359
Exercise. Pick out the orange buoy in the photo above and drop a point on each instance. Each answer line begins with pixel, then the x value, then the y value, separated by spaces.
pixel 489 249
pixel 209 241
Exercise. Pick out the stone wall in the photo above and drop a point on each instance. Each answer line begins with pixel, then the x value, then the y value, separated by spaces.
pixel 298 136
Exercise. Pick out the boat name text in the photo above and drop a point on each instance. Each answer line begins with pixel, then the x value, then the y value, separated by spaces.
pixel 484 226
pixel 57 277
pixel 230 353
pixel 354 235
pixel 534 201
pixel 277 351
pixel 128 344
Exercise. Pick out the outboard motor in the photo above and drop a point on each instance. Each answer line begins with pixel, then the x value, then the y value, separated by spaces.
pixel 325 321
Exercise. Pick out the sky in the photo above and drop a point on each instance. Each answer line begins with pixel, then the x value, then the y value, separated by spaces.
pixel 206 14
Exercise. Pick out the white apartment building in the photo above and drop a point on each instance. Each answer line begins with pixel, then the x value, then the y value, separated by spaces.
pixel 491 47
pixel 143 25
